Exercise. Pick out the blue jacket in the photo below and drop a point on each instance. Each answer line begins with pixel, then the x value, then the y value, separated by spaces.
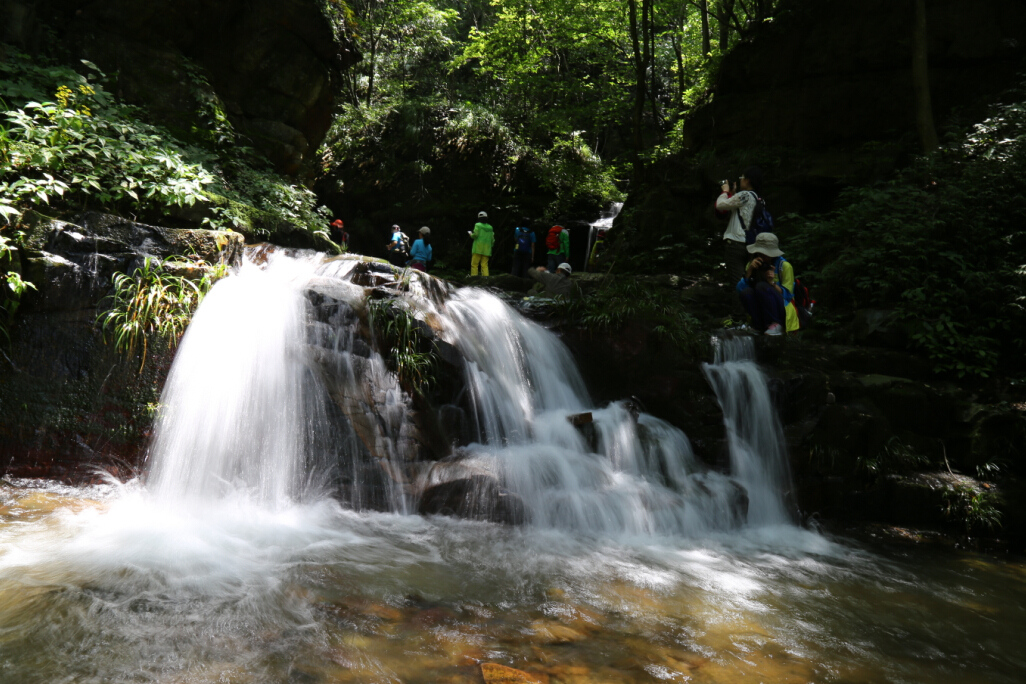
pixel 420 251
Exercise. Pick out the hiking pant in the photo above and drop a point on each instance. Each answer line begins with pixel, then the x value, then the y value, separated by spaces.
pixel 554 261
pixel 479 262
pixel 736 257
pixel 765 305
pixel 521 262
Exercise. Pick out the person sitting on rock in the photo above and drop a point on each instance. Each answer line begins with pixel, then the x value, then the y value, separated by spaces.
pixel 557 283
pixel 767 288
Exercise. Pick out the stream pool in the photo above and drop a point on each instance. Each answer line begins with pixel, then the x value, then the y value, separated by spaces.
pixel 102 584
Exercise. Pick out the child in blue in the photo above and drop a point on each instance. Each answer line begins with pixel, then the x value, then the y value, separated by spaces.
pixel 523 248
pixel 420 254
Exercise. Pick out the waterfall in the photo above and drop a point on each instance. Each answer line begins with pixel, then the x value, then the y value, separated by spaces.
pixel 233 414
pixel 756 440
pixel 279 391
pixel 605 222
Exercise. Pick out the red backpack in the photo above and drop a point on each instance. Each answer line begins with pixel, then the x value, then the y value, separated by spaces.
pixel 552 240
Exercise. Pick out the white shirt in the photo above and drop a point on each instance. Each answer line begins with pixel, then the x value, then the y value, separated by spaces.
pixel 742 203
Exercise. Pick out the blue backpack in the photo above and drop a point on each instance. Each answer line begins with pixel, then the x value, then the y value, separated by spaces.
pixel 762 221
pixel 524 239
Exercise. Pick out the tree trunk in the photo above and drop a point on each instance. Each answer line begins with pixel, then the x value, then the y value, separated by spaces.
pixel 706 42
pixel 921 80
pixel 640 65
pixel 726 8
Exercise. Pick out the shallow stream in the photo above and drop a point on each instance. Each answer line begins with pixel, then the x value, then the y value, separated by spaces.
pixel 102 584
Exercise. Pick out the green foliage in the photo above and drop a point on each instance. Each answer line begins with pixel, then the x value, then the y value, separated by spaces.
pixel 942 244
pixel 153 302
pixel 66 139
pixel 402 345
pixel 620 301
pixel 971 508
pixel 11 286
pixel 81 147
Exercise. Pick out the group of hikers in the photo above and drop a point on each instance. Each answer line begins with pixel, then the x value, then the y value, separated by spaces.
pixel 768 293
pixel 756 266
pixel 554 277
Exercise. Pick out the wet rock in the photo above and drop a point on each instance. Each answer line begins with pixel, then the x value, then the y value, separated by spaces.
pixel 475 498
pixel 551 632
pixel 494 673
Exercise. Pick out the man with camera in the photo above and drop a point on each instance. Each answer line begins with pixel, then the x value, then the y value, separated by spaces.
pixel 767 288
pixel 740 200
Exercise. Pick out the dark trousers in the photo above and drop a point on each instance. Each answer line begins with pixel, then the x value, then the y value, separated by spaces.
pixel 521 262
pixel 736 257
pixel 554 261
pixel 764 304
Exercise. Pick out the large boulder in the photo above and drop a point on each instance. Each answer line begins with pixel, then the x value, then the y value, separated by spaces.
pixel 69 402
pixel 271 64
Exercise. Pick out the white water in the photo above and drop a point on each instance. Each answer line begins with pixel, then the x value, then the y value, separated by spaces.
pixel 253 420
pixel 605 222
pixel 758 455
pixel 233 415
pixel 220 569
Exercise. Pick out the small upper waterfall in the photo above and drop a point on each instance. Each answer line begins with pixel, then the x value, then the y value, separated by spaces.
pixel 279 389
pixel 604 223
pixel 757 453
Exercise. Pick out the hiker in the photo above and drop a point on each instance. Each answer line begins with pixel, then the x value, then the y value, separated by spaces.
pixel 398 247
pixel 339 235
pixel 558 244
pixel 484 237
pixel 523 248
pixel 420 254
pixel 767 288
pixel 557 283
pixel 741 201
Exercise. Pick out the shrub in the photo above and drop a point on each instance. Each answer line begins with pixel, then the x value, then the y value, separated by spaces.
pixel 941 243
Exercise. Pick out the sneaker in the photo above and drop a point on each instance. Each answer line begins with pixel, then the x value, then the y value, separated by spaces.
pixel 774 329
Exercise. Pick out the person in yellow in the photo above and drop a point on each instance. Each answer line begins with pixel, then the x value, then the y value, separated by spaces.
pixel 484 237
pixel 767 288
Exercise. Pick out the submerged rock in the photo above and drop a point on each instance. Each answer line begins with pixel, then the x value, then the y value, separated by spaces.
pixel 475 498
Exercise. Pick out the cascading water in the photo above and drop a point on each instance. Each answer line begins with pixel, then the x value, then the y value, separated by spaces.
pixel 264 425
pixel 755 438
pixel 255 574
pixel 604 223
pixel 234 408
pixel 624 473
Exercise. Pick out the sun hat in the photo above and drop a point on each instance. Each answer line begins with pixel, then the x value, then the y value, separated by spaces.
pixel 425 231
pixel 766 243
pixel 564 267
pixel 482 214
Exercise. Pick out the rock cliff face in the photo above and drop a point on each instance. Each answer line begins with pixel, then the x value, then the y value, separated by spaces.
pixel 271 63
pixel 827 88
pixel 69 403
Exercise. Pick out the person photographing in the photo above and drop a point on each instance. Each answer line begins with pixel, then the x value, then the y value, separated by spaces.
pixel 741 200
pixel 766 288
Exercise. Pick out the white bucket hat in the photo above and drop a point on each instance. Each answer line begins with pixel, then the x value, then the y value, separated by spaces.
pixel 766 243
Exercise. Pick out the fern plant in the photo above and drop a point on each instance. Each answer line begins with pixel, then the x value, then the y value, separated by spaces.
pixel 152 302
pixel 402 346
